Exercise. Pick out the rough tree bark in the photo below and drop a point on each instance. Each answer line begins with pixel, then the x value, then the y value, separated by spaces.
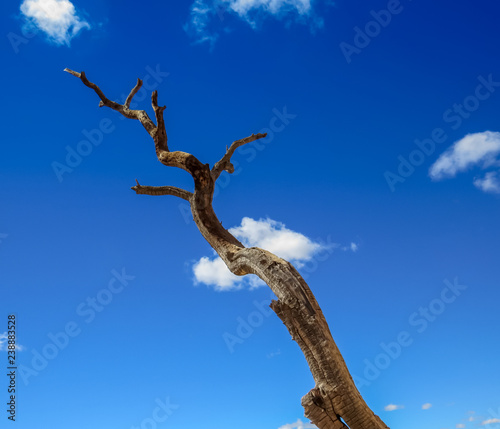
pixel 334 402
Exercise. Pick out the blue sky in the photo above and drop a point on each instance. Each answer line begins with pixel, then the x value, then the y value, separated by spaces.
pixel 380 179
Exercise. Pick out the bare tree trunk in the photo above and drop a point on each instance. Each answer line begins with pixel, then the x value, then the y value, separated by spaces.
pixel 335 398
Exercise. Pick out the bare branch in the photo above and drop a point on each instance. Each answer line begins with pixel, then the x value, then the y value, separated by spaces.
pixel 136 88
pixel 162 190
pixel 124 109
pixel 161 135
pixel 225 163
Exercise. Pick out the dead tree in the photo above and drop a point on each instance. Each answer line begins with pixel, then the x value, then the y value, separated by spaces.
pixel 334 402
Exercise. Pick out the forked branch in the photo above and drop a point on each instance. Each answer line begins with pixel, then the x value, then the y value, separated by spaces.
pixel 161 135
pixel 136 88
pixel 225 163
pixel 124 109
pixel 158 132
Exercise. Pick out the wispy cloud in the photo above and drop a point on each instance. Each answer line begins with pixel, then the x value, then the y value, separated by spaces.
pixel 393 407
pixel 207 16
pixel 4 343
pixel 199 25
pixel 244 8
pixel 490 422
pixel 489 183
pixel 58 19
pixel 273 354
pixel 426 406
pixel 474 150
pixel 460 426
pixel 267 234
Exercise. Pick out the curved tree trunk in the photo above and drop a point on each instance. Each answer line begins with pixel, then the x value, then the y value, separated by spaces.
pixel 335 398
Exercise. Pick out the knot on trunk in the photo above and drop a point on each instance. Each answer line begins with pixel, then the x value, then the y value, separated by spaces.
pixel 319 409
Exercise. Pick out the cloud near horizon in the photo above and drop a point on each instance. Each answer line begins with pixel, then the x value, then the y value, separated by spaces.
pixel 299 424
pixel 206 16
pixel 474 150
pixel 266 234
pixel 58 19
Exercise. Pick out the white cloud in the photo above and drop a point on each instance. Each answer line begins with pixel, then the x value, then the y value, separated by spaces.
pixel 266 234
pixel 490 421
pixel 393 407
pixel 489 183
pixel 207 16
pixel 275 237
pixel 474 150
pixel 58 19
pixel 460 426
pixel 4 343
pixel 479 149
pixel 213 272
pixel 426 406
pixel 299 424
